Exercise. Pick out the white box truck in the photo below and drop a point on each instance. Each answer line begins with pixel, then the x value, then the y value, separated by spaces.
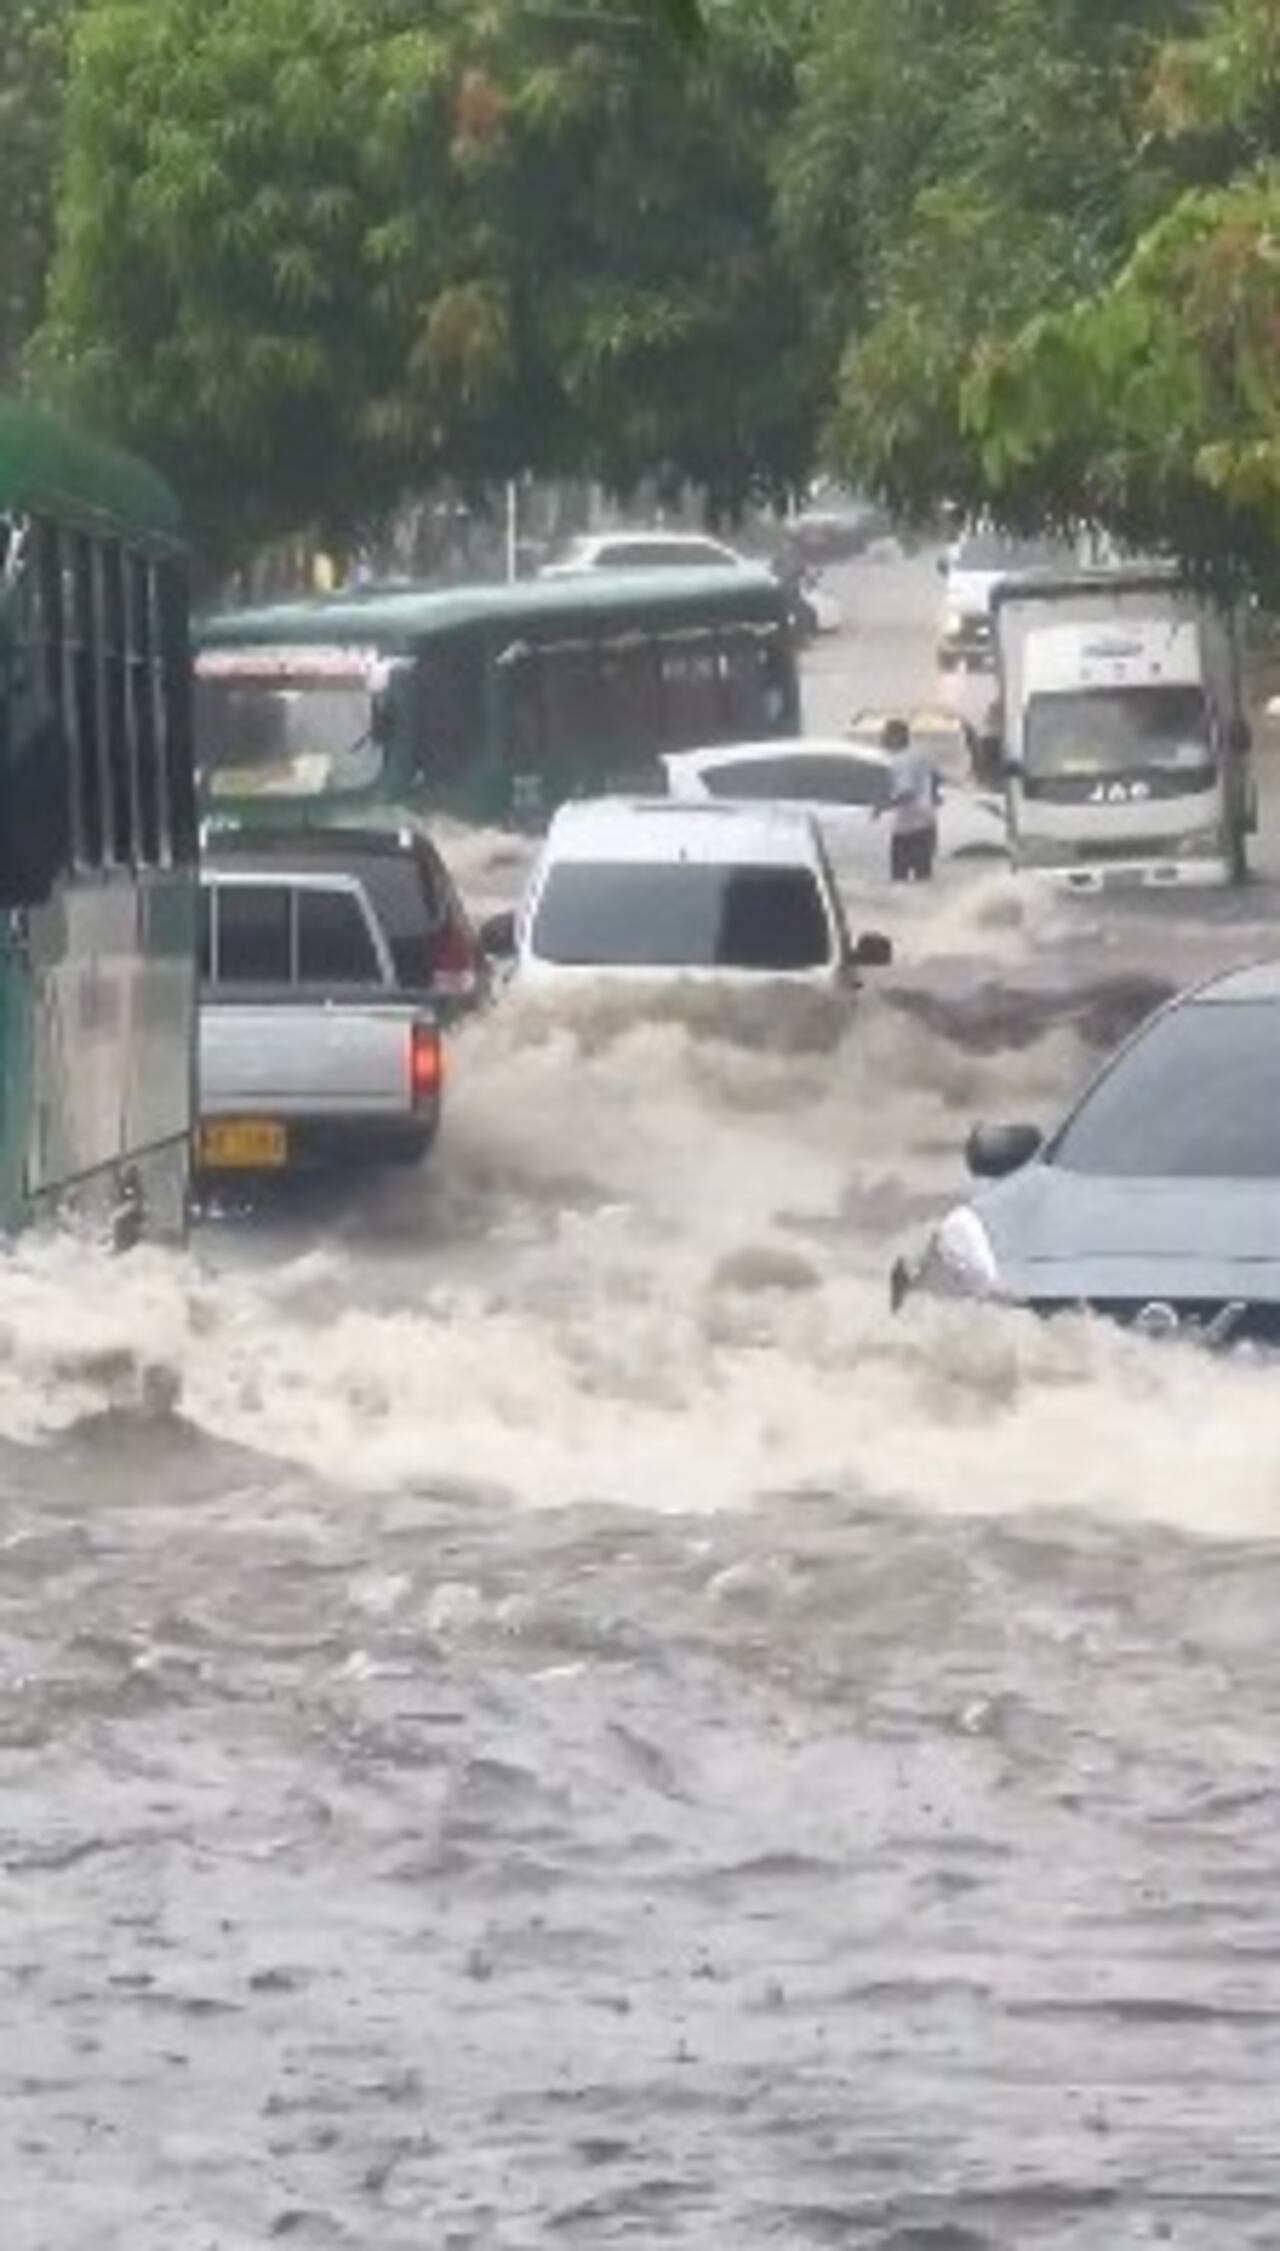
pixel 1126 743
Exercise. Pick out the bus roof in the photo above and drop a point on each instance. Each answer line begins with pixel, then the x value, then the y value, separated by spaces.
pixel 46 465
pixel 399 618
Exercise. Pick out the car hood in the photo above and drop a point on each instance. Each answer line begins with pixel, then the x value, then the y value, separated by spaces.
pixel 1067 1235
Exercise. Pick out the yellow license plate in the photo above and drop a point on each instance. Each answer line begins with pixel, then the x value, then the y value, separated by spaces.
pixel 244 1145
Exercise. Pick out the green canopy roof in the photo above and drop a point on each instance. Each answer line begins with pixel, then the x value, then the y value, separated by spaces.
pixel 45 465
pixel 404 617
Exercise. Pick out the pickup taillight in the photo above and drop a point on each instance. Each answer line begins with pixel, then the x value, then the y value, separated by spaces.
pixel 426 1063
pixel 454 963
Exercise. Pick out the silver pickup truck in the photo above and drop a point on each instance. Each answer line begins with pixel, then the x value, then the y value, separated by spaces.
pixel 308 1054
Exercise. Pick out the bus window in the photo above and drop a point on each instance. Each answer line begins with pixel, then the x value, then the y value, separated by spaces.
pixel 47 618
pixel 629 688
pixel 82 641
pixel 523 736
pixel 111 657
pixel 449 720
pixel 690 672
pixel 141 709
pixel 575 718
pixel 175 701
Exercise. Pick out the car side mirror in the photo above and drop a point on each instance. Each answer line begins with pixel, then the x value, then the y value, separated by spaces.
pixel 992 1152
pixel 498 936
pixel 871 950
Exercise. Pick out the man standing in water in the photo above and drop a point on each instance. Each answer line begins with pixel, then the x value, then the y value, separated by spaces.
pixel 914 791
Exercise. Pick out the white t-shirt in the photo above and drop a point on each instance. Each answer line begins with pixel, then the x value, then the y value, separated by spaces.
pixel 913 792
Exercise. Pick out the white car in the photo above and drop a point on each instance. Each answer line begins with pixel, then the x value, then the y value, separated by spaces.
pixel 642 550
pixel 844 787
pixel 651 892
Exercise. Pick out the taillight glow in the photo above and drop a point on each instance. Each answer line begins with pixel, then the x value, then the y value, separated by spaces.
pixel 452 953
pixel 426 1063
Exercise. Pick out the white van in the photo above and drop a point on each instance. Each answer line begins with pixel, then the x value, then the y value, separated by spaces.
pixel 651 891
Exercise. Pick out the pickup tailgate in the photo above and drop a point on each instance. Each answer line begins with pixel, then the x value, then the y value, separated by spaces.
pixel 308 1059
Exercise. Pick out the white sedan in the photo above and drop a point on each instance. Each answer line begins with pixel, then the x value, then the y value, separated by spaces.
pixel 641 550
pixel 846 787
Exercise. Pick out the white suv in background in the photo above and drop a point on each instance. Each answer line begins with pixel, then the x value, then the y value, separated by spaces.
pixel 650 892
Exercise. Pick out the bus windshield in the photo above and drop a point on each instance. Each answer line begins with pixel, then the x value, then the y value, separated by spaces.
pixel 1114 731
pixel 284 733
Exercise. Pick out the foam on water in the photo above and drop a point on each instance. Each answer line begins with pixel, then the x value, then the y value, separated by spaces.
pixel 648 1264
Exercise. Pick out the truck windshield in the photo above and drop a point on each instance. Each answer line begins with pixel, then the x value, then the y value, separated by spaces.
pixel 1117 731
pixel 284 737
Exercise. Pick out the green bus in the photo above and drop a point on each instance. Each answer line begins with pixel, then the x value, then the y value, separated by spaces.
pixel 493 703
pixel 98 836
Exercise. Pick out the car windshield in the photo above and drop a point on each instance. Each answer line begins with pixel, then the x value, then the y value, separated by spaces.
pixel 686 915
pixel 1198 1097
pixel 273 737
pixel 1117 731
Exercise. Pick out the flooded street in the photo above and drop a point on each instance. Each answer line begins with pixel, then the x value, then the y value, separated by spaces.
pixel 533 1711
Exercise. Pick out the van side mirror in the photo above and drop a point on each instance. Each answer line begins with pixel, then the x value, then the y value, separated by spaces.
pixel 992 1152
pixel 871 950
pixel 498 936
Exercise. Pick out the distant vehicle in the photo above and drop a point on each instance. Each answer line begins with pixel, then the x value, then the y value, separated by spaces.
pixel 494 703
pixel 97 836
pixel 434 950
pixel 973 566
pixel 1126 745
pixel 835 526
pixel 647 890
pixel 641 550
pixel 1158 1201
pixel 310 1055
pixel 845 787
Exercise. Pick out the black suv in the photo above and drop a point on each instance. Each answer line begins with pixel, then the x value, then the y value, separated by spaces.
pixel 428 931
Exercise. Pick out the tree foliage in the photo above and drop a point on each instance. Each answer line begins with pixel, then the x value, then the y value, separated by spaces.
pixel 960 165
pixel 312 251
pixel 1152 404
pixel 33 43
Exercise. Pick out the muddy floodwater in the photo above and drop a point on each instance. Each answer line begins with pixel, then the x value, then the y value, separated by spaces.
pixel 534 1712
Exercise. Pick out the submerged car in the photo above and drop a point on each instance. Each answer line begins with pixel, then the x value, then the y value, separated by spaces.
pixel 1157 1201
pixel 649 892
pixel 846 786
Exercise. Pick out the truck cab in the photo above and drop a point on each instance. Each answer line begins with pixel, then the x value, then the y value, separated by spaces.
pixel 1126 749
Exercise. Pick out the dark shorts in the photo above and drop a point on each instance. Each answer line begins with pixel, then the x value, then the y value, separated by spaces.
pixel 911 856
